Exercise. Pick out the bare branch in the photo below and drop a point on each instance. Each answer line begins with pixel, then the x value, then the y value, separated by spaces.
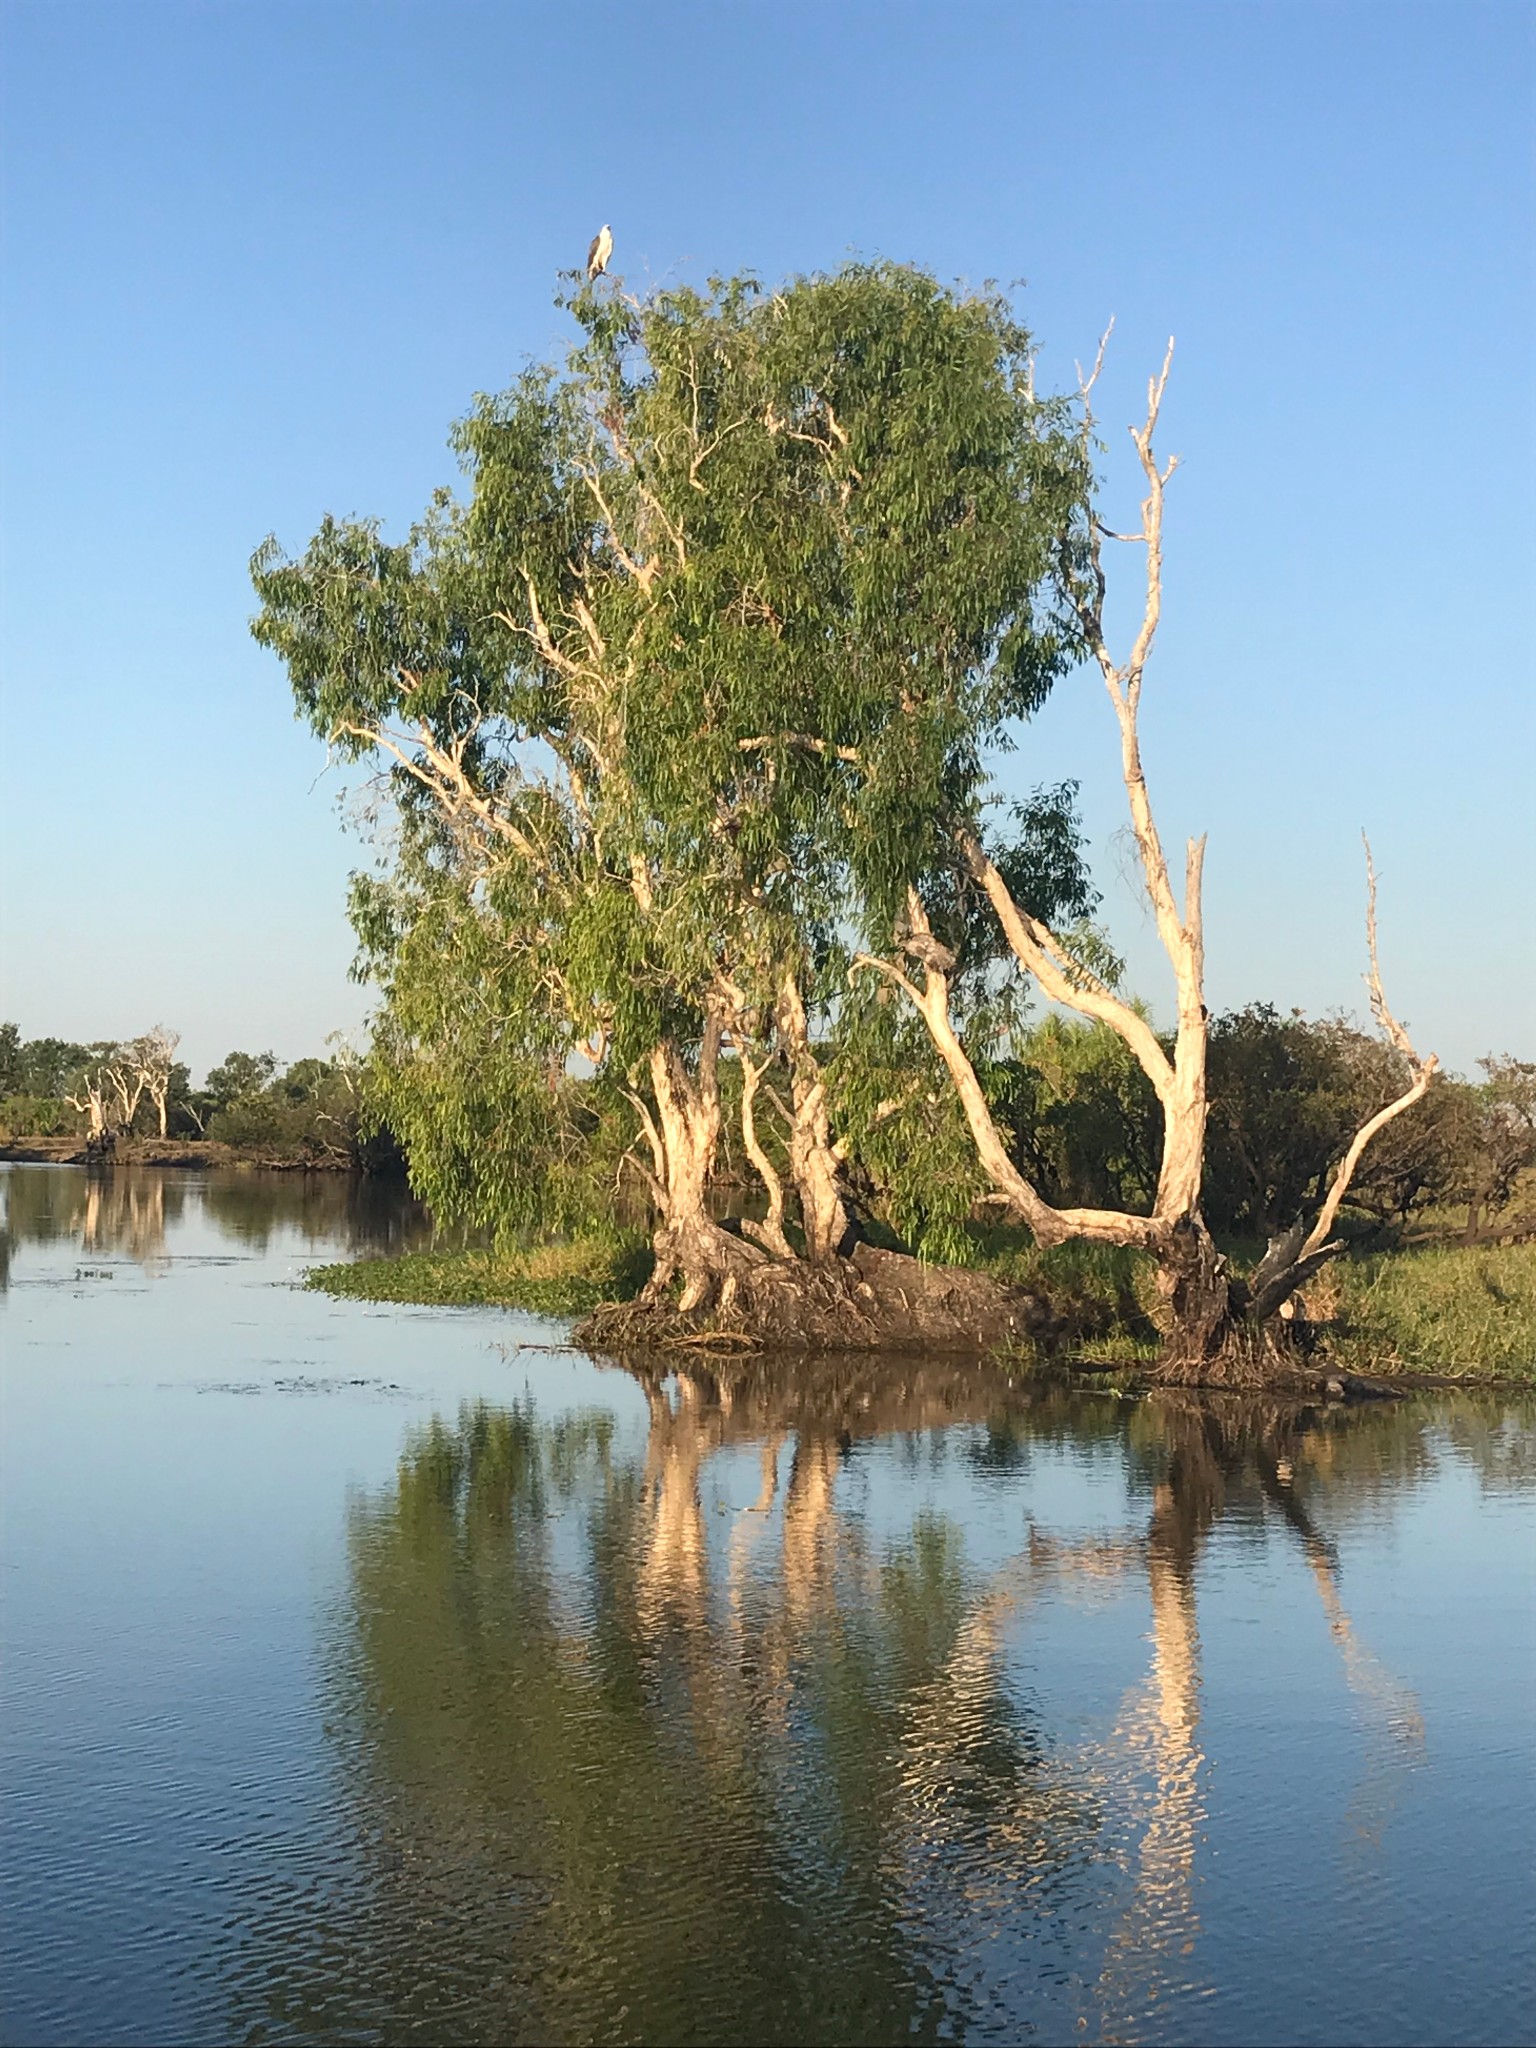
pixel 443 774
pixel 651 1134
pixel 1046 957
pixel 1085 384
pixel 1421 1071
pixel 1050 1226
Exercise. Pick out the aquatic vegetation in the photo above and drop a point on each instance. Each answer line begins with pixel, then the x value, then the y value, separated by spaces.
pixel 547 1279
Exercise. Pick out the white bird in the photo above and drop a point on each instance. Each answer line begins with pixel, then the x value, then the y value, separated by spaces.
pixel 600 251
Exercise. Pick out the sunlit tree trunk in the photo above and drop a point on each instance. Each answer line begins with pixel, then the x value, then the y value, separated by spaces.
pixel 682 1128
pixel 813 1160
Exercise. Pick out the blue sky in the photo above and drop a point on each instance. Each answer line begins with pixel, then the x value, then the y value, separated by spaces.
pixel 256 259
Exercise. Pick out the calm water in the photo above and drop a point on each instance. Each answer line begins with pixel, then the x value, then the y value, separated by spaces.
pixel 378 1674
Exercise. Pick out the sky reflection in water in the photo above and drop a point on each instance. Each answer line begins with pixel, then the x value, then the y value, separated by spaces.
pixel 383 1674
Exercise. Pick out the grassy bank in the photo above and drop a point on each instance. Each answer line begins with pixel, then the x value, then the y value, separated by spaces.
pixel 548 1279
pixel 1465 1312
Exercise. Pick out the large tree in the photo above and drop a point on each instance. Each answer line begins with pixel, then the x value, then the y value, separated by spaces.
pixel 743 567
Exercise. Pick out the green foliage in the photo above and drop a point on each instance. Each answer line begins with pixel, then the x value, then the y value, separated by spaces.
pixel 898 1112
pixel 36 1116
pixel 548 1279
pixel 13 1067
pixel 912 1159
pixel 239 1077
pixel 45 1067
pixel 318 1117
pixel 1287 1095
pixel 1086 1123
pixel 691 685
pixel 1104 1295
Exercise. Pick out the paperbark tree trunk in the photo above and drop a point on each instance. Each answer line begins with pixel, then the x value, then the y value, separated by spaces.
pixel 683 1132
pixel 813 1160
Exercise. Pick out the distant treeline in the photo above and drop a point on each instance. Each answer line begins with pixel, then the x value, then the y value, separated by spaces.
pixel 1286 1093
pixel 136 1088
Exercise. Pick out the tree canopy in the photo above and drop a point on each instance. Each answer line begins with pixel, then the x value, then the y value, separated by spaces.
pixel 680 701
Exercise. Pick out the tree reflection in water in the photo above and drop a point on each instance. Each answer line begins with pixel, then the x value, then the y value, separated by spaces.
pixel 134 1212
pixel 622 1766
pixel 1208 1452
pixel 118 1212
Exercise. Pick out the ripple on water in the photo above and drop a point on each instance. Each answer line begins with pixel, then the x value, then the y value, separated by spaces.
pixel 497 1696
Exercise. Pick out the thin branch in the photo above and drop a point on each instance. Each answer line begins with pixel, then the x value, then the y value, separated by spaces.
pixel 1050 1226
pixel 445 778
pixel 652 1137
pixel 1044 955
pixel 1421 1070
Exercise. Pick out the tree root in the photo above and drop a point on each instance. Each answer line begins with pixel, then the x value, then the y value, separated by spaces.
pixel 873 1301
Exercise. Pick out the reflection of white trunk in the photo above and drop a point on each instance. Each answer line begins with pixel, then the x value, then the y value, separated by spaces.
pixel 810 1528
pixel 1393 1717
pixel 1148 1955
pixel 673 1572
pixel 749 1527
pixel 125 1213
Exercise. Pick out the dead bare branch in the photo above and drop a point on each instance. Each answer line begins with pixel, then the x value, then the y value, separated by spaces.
pixel 1421 1072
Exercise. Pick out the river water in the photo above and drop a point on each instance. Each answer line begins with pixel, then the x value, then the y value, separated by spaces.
pixel 391 1674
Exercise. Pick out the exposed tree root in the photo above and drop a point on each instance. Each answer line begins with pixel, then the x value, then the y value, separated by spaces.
pixel 872 1301
pixel 1244 1334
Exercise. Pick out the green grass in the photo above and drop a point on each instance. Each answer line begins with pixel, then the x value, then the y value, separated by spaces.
pixel 1468 1311
pixel 547 1279
pixel 1103 1293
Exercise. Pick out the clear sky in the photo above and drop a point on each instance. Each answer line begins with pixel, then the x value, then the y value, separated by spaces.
pixel 257 257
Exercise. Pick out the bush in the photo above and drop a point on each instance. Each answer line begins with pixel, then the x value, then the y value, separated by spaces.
pixel 1102 1293
pixel 36 1116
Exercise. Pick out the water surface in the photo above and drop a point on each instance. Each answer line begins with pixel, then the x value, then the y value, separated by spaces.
pixel 390 1674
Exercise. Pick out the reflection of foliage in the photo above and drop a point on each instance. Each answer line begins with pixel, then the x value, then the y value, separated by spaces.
pixel 620 1767
pixel 324 1209
pixel 656 1778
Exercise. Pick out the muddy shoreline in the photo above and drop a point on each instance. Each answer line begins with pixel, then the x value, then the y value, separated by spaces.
pixel 195 1153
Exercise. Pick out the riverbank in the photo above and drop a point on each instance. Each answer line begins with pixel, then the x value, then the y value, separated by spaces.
pixel 1451 1311
pixel 203 1153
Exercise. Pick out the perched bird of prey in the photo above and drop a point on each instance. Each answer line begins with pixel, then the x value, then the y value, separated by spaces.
pixel 600 251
